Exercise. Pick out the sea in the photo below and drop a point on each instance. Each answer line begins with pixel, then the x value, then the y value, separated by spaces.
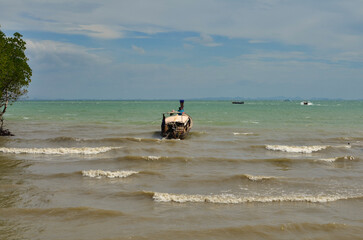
pixel 99 170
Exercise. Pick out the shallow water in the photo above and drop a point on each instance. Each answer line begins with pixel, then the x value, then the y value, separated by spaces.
pixel 262 170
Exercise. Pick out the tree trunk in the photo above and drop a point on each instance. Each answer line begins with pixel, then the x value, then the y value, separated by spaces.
pixel 4 110
pixel 4 132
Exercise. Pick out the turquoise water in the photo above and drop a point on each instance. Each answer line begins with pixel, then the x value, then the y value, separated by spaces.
pixel 261 170
pixel 347 114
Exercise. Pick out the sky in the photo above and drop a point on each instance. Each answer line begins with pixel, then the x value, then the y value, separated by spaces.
pixel 171 49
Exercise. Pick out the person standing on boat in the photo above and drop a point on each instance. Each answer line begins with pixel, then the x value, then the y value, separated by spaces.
pixel 180 111
pixel 181 108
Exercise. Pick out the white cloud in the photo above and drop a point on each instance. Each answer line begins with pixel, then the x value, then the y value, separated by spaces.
pixel 53 54
pixel 327 24
pixel 203 39
pixel 97 31
pixel 137 49
pixel 328 34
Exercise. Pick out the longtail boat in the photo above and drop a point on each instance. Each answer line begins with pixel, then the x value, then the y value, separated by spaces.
pixel 177 124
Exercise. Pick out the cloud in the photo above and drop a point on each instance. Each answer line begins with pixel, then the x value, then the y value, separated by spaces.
pixel 203 39
pixel 257 41
pixel 329 24
pixel 97 31
pixel 57 55
pixel 266 45
pixel 137 49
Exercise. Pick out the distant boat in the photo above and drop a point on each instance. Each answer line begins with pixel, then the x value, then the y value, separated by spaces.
pixel 238 102
pixel 307 103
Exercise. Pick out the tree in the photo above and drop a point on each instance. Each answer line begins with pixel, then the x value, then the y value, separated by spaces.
pixel 15 73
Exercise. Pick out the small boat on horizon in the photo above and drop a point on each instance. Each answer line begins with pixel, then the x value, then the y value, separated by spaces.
pixel 306 103
pixel 238 102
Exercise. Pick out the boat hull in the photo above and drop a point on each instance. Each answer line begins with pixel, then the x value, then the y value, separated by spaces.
pixel 176 126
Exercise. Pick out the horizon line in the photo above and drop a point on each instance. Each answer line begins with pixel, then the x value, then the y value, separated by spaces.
pixel 195 99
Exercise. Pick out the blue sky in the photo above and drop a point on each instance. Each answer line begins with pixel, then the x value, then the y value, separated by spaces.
pixel 165 49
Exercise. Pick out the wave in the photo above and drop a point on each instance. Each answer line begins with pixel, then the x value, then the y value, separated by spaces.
pixel 69 213
pixel 154 158
pixel 292 230
pixel 200 159
pixel 248 177
pixel 65 139
pixel 259 178
pixel 233 199
pixel 197 134
pixel 296 149
pixel 350 158
pixel 108 174
pixel 236 179
pixel 245 133
pixel 347 139
pixel 174 159
pixel 111 140
pixel 58 151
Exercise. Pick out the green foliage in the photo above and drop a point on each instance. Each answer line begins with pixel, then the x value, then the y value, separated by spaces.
pixel 15 72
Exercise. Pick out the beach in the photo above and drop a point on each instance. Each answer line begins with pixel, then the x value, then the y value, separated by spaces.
pixel 100 170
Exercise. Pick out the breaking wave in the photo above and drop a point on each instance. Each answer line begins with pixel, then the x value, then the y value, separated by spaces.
pixel 58 151
pixel 245 133
pixel 68 213
pixel 108 174
pixel 259 178
pixel 337 159
pixel 296 149
pixel 152 158
pixel 110 140
pixel 233 199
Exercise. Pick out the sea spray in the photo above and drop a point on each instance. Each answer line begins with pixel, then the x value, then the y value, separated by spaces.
pixel 258 178
pixel 296 149
pixel 109 174
pixel 234 199
pixel 58 151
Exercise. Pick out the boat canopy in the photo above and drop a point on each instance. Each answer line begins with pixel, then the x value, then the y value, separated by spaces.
pixel 177 118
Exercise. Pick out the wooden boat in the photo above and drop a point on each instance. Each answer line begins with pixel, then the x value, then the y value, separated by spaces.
pixel 176 126
pixel 306 103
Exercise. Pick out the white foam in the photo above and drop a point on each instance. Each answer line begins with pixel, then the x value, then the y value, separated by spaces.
pixel 337 158
pixel 108 174
pixel 59 151
pixel 295 149
pixel 232 199
pixel 344 146
pixel 246 134
pixel 152 158
pixel 258 178
pixel 349 158
pixel 328 159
